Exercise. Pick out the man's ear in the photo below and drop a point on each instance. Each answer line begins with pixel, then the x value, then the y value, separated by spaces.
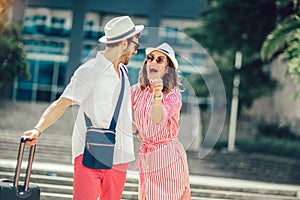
pixel 124 44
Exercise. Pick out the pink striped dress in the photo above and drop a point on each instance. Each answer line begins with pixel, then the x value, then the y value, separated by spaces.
pixel 162 160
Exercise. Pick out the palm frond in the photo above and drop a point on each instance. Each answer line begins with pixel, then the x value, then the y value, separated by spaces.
pixel 276 40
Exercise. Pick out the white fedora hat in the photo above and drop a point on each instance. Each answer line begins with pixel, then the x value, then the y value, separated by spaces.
pixel 118 29
pixel 166 49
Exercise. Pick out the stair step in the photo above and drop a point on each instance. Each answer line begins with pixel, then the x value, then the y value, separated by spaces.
pixel 280 192
pixel 127 195
pixel 55 196
pixel 40 178
pixel 207 198
pixel 56 183
pixel 237 195
pixel 131 186
pixel 132 195
pixel 244 186
pixel 51 188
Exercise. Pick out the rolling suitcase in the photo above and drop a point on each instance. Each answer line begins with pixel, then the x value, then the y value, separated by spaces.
pixel 12 190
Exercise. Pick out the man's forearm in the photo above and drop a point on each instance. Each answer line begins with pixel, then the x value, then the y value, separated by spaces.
pixel 52 113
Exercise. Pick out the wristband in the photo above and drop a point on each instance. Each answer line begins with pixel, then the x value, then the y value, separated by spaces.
pixel 37 131
pixel 158 97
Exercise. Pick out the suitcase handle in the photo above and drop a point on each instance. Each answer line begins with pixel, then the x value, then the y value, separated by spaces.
pixel 19 163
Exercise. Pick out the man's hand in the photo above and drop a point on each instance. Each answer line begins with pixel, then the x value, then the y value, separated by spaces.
pixel 32 137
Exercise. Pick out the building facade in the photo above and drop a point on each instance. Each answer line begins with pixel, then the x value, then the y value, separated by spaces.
pixel 60 35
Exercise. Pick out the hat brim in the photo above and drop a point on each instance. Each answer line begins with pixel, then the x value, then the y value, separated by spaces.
pixel 172 58
pixel 138 29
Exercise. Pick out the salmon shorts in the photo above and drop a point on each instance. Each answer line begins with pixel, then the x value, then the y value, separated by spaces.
pixel 93 184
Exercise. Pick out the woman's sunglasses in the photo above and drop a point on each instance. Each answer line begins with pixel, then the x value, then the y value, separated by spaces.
pixel 158 60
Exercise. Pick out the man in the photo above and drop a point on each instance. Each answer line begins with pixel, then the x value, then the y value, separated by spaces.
pixel 95 87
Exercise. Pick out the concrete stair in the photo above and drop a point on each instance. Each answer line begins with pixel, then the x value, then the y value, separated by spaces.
pixel 55 181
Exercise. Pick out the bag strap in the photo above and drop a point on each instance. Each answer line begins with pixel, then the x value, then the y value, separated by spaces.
pixel 115 117
pixel 114 120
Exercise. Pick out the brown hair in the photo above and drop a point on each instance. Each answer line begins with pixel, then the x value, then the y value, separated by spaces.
pixel 170 79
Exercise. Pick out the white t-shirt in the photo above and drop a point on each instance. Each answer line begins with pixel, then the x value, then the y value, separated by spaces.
pixel 95 86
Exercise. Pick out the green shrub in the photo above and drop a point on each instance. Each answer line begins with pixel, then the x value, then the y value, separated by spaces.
pixel 274 129
pixel 269 145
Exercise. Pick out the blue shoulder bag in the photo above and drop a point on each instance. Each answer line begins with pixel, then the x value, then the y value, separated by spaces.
pixel 100 142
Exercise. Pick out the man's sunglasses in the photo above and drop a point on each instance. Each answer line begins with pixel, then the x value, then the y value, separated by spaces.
pixel 137 45
pixel 158 60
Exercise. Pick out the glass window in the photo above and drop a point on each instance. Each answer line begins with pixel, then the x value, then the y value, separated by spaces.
pixel 24 95
pixel 61 74
pixel 43 96
pixel 45 72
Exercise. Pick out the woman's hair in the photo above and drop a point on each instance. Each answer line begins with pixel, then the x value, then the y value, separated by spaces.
pixel 170 79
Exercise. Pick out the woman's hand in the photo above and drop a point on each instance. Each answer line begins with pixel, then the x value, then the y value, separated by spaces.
pixel 157 85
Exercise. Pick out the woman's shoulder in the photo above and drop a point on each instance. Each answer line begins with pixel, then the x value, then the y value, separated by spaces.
pixel 135 90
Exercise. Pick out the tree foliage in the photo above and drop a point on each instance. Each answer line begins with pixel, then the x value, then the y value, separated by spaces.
pixel 12 53
pixel 234 25
pixel 284 40
pixel 4 5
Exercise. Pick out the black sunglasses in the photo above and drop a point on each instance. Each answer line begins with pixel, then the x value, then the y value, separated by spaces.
pixel 137 45
pixel 158 60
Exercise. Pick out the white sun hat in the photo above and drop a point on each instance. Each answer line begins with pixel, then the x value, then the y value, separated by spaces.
pixel 118 29
pixel 166 49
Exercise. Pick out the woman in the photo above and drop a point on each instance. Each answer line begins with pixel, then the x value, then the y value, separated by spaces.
pixel 156 102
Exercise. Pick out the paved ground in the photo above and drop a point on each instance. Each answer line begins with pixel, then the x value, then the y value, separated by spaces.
pixel 55 182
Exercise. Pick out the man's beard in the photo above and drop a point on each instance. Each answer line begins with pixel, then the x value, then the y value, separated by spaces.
pixel 125 58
